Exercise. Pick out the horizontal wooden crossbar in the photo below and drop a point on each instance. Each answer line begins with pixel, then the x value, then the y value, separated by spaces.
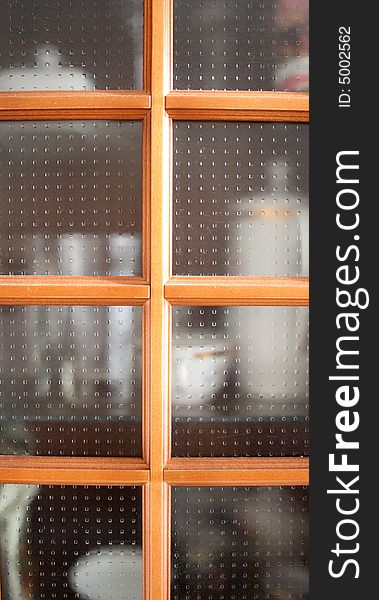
pixel 73 105
pixel 73 290
pixel 238 471
pixel 238 291
pixel 72 471
pixel 238 106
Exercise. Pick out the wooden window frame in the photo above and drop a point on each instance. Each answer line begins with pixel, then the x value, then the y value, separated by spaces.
pixel 158 106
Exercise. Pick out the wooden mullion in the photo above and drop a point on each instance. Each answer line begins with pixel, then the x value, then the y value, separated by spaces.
pixel 146 550
pixel 147 45
pixel 146 197
pixel 146 384
pixel 238 291
pixel 238 106
pixel 158 521
pixel 168 497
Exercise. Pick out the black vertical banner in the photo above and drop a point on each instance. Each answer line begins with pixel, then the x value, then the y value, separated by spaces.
pixel 344 329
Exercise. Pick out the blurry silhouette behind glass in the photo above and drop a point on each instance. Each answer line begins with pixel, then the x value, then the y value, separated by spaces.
pixel 241 45
pixel 70 380
pixel 240 196
pixel 71 198
pixel 70 542
pixel 245 543
pixel 69 45
pixel 239 381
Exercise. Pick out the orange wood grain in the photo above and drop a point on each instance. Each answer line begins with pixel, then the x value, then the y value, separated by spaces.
pixel 146 199
pixel 146 384
pixel 238 291
pixel 238 477
pixel 147 45
pixel 242 463
pixel 53 476
pixel 73 105
pixel 145 542
pixel 238 106
pixel 73 290
pixel 237 471
pixel 158 523
pixel 72 471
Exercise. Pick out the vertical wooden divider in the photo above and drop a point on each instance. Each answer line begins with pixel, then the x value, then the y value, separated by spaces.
pixel 156 579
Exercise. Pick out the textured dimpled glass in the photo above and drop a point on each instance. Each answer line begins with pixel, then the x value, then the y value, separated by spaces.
pixel 71 380
pixel 241 45
pixel 71 198
pixel 240 199
pixel 62 542
pixel 240 543
pixel 71 45
pixel 239 381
